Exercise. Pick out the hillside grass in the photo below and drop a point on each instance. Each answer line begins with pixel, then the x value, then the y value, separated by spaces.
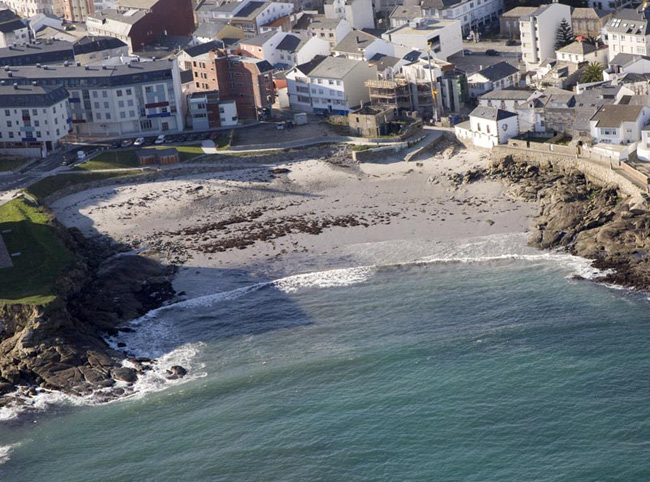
pixel 110 160
pixel 49 185
pixel 10 164
pixel 32 278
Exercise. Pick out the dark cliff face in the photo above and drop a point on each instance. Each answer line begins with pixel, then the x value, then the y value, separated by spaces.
pixel 62 347
pixel 587 219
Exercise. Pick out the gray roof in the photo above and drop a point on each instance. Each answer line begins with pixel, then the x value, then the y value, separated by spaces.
pixel 508 94
pixel 116 16
pixel 291 43
pixel 354 42
pixel 204 48
pixel 613 115
pixel 31 95
pixel 439 4
pixel 250 10
pixel 498 71
pixel 334 67
pixel 260 39
pixel 55 51
pixel 538 11
pixel 322 22
pixel 383 62
pixel 91 43
pixel 624 60
pixel 629 21
pixel 519 12
pixel 209 29
pixel 491 113
pixel 307 67
pixel 578 48
pixel 406 12
pixel 11 26
pixel 112 75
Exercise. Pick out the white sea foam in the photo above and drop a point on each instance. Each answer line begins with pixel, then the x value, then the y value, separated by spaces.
pixel 5 452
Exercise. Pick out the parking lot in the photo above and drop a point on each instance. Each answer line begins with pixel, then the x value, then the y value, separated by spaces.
pixel 269 134
pixel 479 60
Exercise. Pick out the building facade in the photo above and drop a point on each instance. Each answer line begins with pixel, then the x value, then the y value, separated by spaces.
pixel 538 32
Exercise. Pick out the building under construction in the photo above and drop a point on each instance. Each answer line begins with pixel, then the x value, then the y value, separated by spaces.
pixel 402 95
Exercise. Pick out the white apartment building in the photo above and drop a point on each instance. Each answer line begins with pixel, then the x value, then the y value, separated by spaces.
pixel 331 29
pixel 628 32
pixel 329 85
pixel 609 5
pixel 358 13
pixel 472 14
pixel 34 118
pixel 284 49
pixel 538 32
pixel 116 99
pixel 29 8
pixel 359 45
pixel 443 37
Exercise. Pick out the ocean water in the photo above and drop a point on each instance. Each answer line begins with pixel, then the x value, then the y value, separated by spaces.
pixel 500 369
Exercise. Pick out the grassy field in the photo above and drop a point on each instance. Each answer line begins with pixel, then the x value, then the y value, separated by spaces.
pixel 32 278
pixel 10 164
pixel 50 185
pixel 110 160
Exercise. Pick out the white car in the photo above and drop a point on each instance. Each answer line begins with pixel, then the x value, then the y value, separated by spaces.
pixel 139 141
pixel 160 139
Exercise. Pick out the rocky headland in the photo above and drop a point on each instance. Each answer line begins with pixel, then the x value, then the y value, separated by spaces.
pixel 61 346
pixel 584 216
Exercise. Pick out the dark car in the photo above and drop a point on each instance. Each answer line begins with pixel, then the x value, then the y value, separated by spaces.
pixel 511 43
pixel 492 53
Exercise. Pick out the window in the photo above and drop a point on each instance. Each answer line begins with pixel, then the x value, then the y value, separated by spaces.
pixel 37 123
pixel 38 133
pixel 119 93
pixel 129 102
pixel 94 94
pixel 148 89
pixel 34 112
pixel 108 116
pixel 8 123
pixel 104 94
pixel 106 105
pixel 128 91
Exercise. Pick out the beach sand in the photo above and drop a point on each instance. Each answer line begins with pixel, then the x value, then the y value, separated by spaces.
pixel 260 220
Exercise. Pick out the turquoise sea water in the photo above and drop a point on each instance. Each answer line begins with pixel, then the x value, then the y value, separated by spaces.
pixel 499 371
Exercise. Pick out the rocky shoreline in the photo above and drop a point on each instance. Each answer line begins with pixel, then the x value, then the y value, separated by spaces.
pixel 62 347
pixel 583 216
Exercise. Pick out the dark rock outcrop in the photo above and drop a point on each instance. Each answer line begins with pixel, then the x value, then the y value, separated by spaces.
pixel 587 218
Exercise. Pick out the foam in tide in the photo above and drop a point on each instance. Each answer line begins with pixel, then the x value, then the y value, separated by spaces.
pixel 5 453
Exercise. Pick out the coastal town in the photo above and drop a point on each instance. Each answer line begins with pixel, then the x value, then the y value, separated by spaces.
pixel 155 152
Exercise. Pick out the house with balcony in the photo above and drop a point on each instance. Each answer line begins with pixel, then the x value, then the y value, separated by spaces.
pixel 619 123
pixel 329 85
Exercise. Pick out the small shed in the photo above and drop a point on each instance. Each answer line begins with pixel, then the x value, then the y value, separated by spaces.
pixel 168 156
pixel 147 157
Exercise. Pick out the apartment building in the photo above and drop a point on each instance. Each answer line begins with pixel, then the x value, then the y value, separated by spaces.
pixel 609 5
pixel 113 100
pixel 246 80
pixel 628 32
pixel 34 118
pixel 29 8
pixel 331 29
pixel 255 14
pixel 205 110
pixel 359 45
pixel 472 14
pixel 358 13
pixel 443 37
pixel 329 85
pixel 588 22
pixel 538 32
pixel 77 10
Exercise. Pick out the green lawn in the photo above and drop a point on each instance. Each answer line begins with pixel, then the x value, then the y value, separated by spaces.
pixel 32 278
pixel 50 185
pixel 110 160
pixel 10 164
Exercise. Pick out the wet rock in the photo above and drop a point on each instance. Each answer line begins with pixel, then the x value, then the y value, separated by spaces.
pixel 176 371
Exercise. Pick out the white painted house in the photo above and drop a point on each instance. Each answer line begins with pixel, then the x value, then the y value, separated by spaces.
pixel 628 32
pixel 538 32
pixel 579 52
pixel 333 30
pixel 619 123
pixel 329 85
pixel 498 76
pixel 488 127
pixel 508 99
pixel 444 37
pixel 358 13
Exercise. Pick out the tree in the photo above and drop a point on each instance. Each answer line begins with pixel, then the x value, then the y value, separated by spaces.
pixel 564 35
pixel 593 73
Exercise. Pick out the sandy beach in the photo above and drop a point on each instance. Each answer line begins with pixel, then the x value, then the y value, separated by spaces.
pixel 275 219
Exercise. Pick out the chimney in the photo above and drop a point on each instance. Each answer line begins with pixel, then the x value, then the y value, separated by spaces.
pixel 358 39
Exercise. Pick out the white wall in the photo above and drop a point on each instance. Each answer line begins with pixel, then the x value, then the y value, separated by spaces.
pixel 313 47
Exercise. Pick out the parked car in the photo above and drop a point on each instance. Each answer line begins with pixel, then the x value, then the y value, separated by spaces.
pixel 160 139
pixel 468 52
pixel 492 53
pixel 511 43
pixel 116 144
pixel 279 126
pixel 139 141
pixel 81 155
pixel 126 143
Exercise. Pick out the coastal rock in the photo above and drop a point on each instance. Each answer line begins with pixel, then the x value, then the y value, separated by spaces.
pixel 128 375
pixel 176 371
pixel 586 218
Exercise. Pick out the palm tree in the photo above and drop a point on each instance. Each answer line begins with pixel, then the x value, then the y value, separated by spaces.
pixel 593 73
